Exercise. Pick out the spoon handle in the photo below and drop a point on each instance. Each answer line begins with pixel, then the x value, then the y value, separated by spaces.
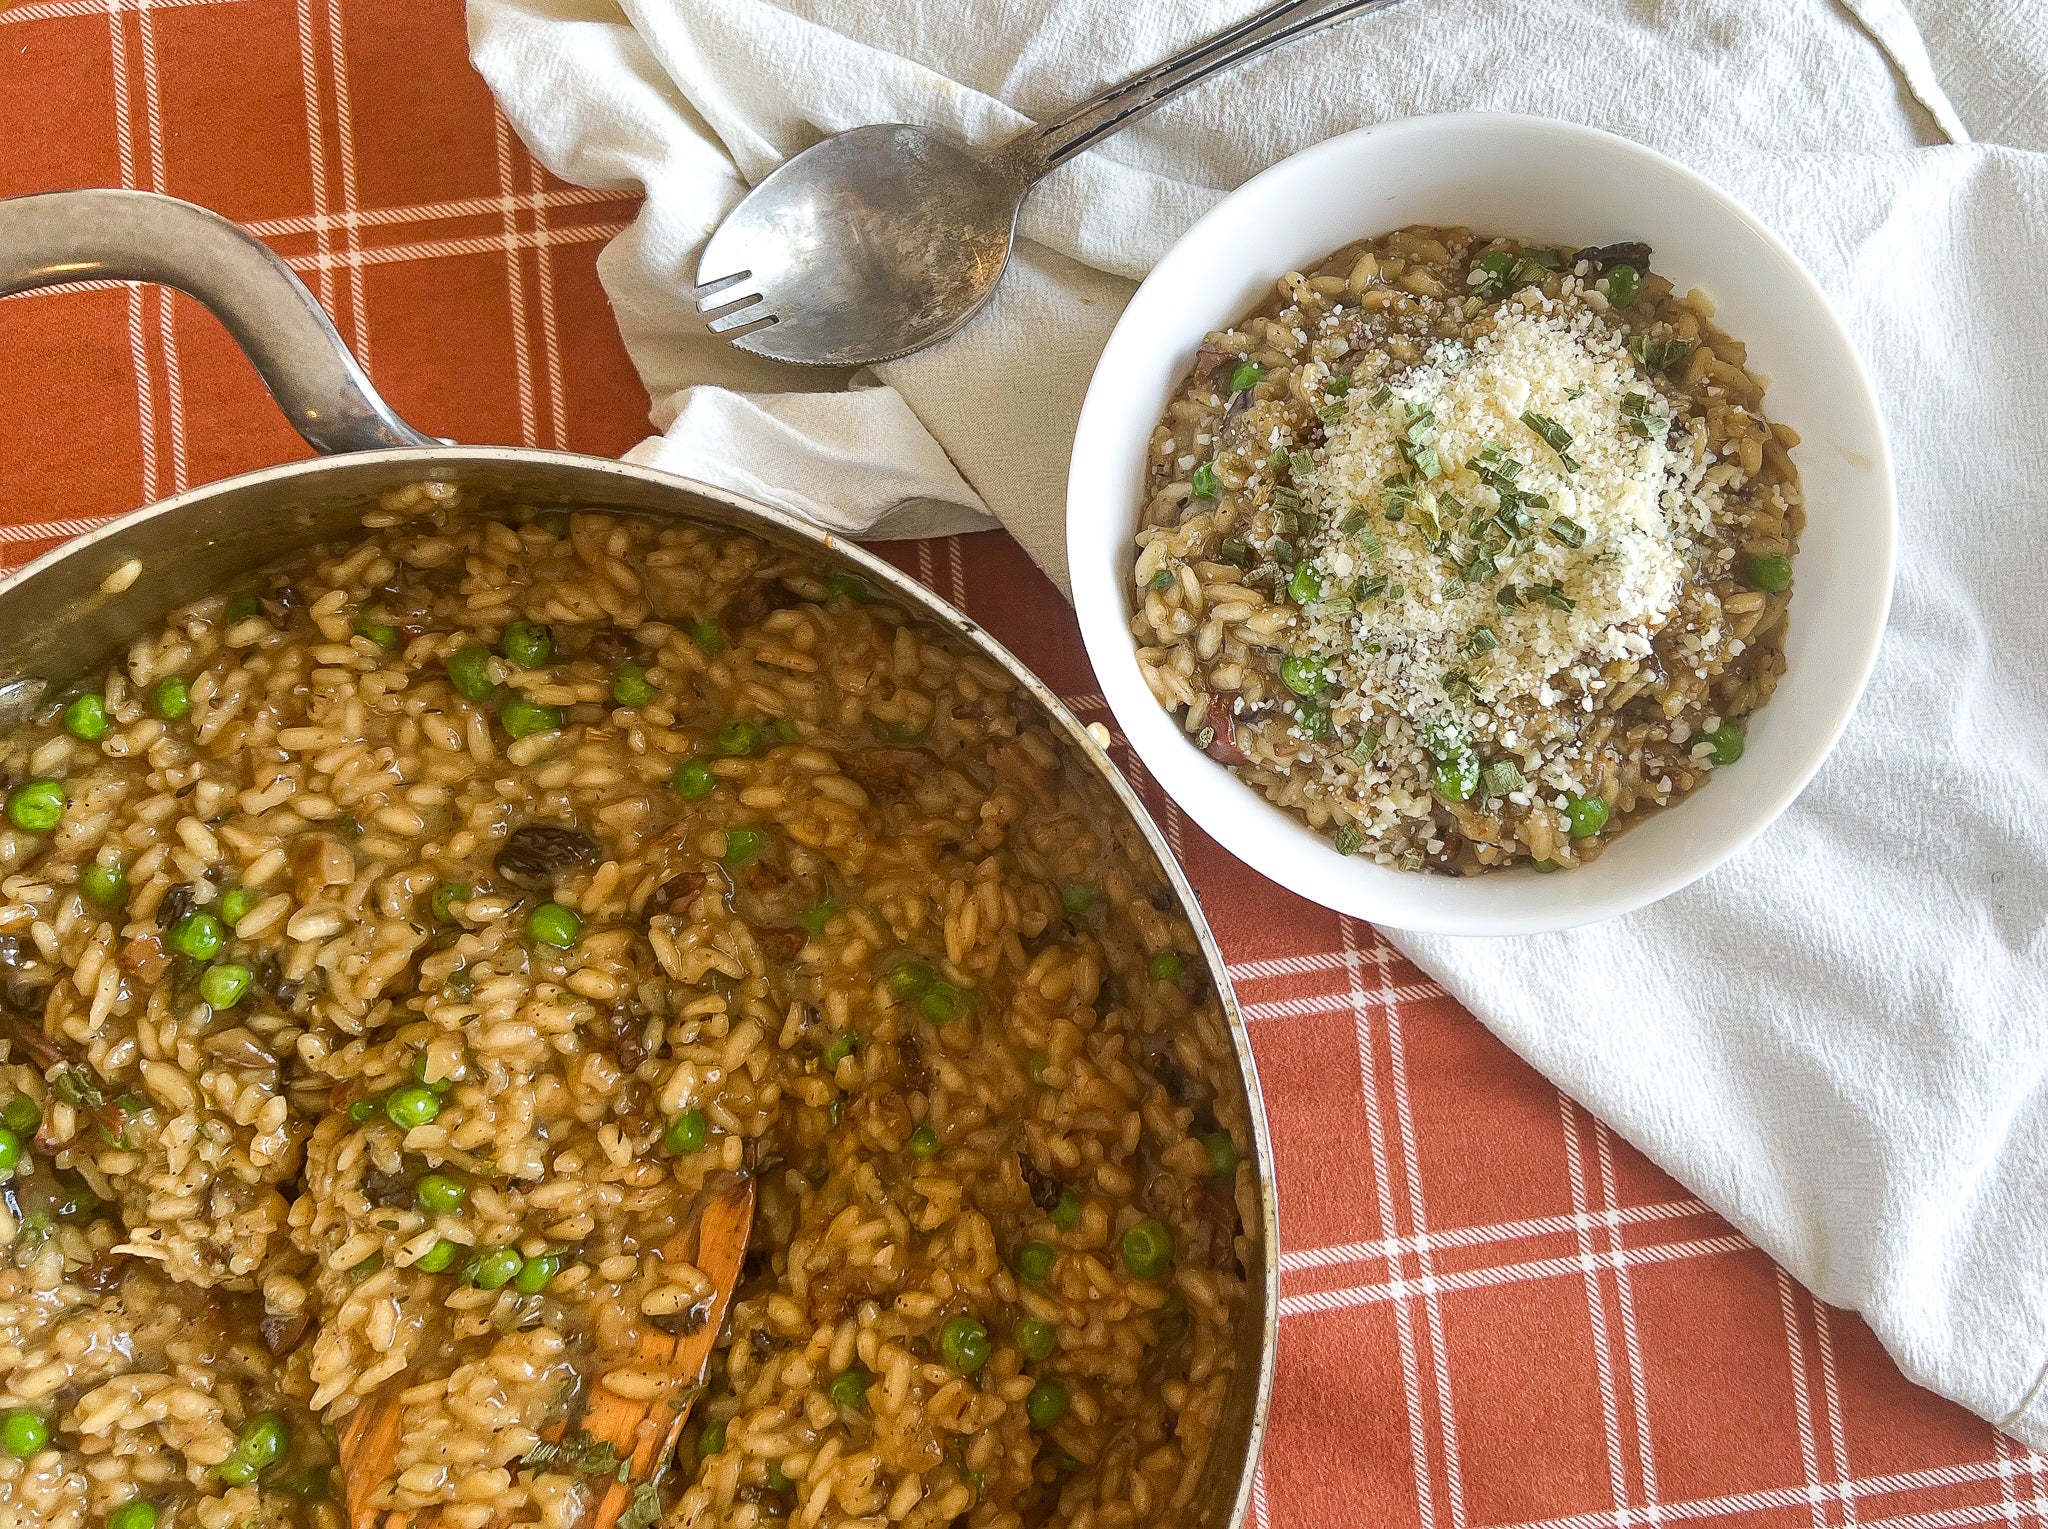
pixel 1038 150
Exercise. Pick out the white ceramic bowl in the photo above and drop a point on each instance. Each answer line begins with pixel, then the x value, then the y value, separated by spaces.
pixel 1543 180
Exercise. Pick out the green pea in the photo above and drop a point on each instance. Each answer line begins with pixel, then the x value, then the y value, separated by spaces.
pixel 685 1133
pixel 1066 1211
pixel 630 686
pixel 23 1432
pixel 814 919
pixel 198 934
pixel 778 1479
pixel 849 585
pixel 1035 1064
pixel 1034 1261
pixel 907 979
pixel 1046 1404
pixel 527 643
pixel 365 1109
pixel 1302 675
pixel 378 630
pixel 1148 1249
pixel 964 1345
pixel 86 718
pixel 741 845
pixel 904 732
pixel 1624 283
pixel 785 730
pixel 446 895
pixel 706 635
pixel 942 1003
pixel 1167 966
pixel 440 1256
pixel 1587 815
pixel 235 904
pixel 842 1047
pixel 1076 898
pixel 1163 579
pixel 494 1268
pixel 10 1152
pixel 263 1441
pixel 1305 585
pixel 694 780
pixel 850 1388
pixel 103 884
pixel 171 697
pixel 21 1115
pixel 439 1193
pixel 242 606
pixel 1222 1152
pixel 1727 741
pixel 555 523
pixel 413 1106
pixel 711 1440
pixel 135 1514
pixel 222 986
pixel 1456 777
pixel 1545 867
pixel 524 718
pixel 1039 1340
pixel 737 739
pixel 534 1273
pixel 1770 574
pixel 37 806
pixel 553 924
pixel 470 670
pixel 924 1141
pixel 1245 375
pixel 1174 1321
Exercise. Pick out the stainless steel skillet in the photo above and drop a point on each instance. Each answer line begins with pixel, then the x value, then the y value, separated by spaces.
pixel 71 609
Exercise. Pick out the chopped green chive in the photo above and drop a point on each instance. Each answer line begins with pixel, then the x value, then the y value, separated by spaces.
pixel 1348 839
pixel 741 844
pixel 1203 485
pixel 1245 374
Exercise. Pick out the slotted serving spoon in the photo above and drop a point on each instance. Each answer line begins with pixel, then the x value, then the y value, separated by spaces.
pixel 883 240
pixel 641 1433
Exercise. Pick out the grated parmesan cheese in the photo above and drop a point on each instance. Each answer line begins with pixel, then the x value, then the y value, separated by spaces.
pixel 1425 632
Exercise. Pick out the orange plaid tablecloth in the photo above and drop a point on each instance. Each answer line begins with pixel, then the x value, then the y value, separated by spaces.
pixel 1494 1312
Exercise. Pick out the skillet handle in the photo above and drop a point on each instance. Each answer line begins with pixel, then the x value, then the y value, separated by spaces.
pixel 107 235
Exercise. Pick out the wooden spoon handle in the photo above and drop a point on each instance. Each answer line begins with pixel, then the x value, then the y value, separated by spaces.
pixel 643 1432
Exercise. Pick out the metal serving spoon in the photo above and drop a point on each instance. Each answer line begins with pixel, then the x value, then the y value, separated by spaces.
pixel 883 240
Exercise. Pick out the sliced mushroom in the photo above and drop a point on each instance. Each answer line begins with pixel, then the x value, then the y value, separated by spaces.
pixel 317 863
pixel 283 1334
pixel 239 1047
pixel 1602 256
pixel 534 856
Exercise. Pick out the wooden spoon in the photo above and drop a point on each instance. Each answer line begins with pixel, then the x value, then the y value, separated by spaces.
pixel 714 1239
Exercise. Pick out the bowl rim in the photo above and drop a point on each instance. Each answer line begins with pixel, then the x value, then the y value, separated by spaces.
pixel 1100 598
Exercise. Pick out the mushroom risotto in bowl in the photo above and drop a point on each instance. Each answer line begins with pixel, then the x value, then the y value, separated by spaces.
pixel 1449 530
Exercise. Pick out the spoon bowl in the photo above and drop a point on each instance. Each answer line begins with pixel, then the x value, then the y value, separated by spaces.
pixel 892 235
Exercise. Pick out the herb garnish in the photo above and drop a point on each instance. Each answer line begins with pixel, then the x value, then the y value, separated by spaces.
pixel 1554 435
pixel 1659 355
pixel 1635 412
pixel 1568 531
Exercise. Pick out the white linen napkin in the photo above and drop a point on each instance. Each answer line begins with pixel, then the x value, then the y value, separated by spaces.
pixel 1838 1040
